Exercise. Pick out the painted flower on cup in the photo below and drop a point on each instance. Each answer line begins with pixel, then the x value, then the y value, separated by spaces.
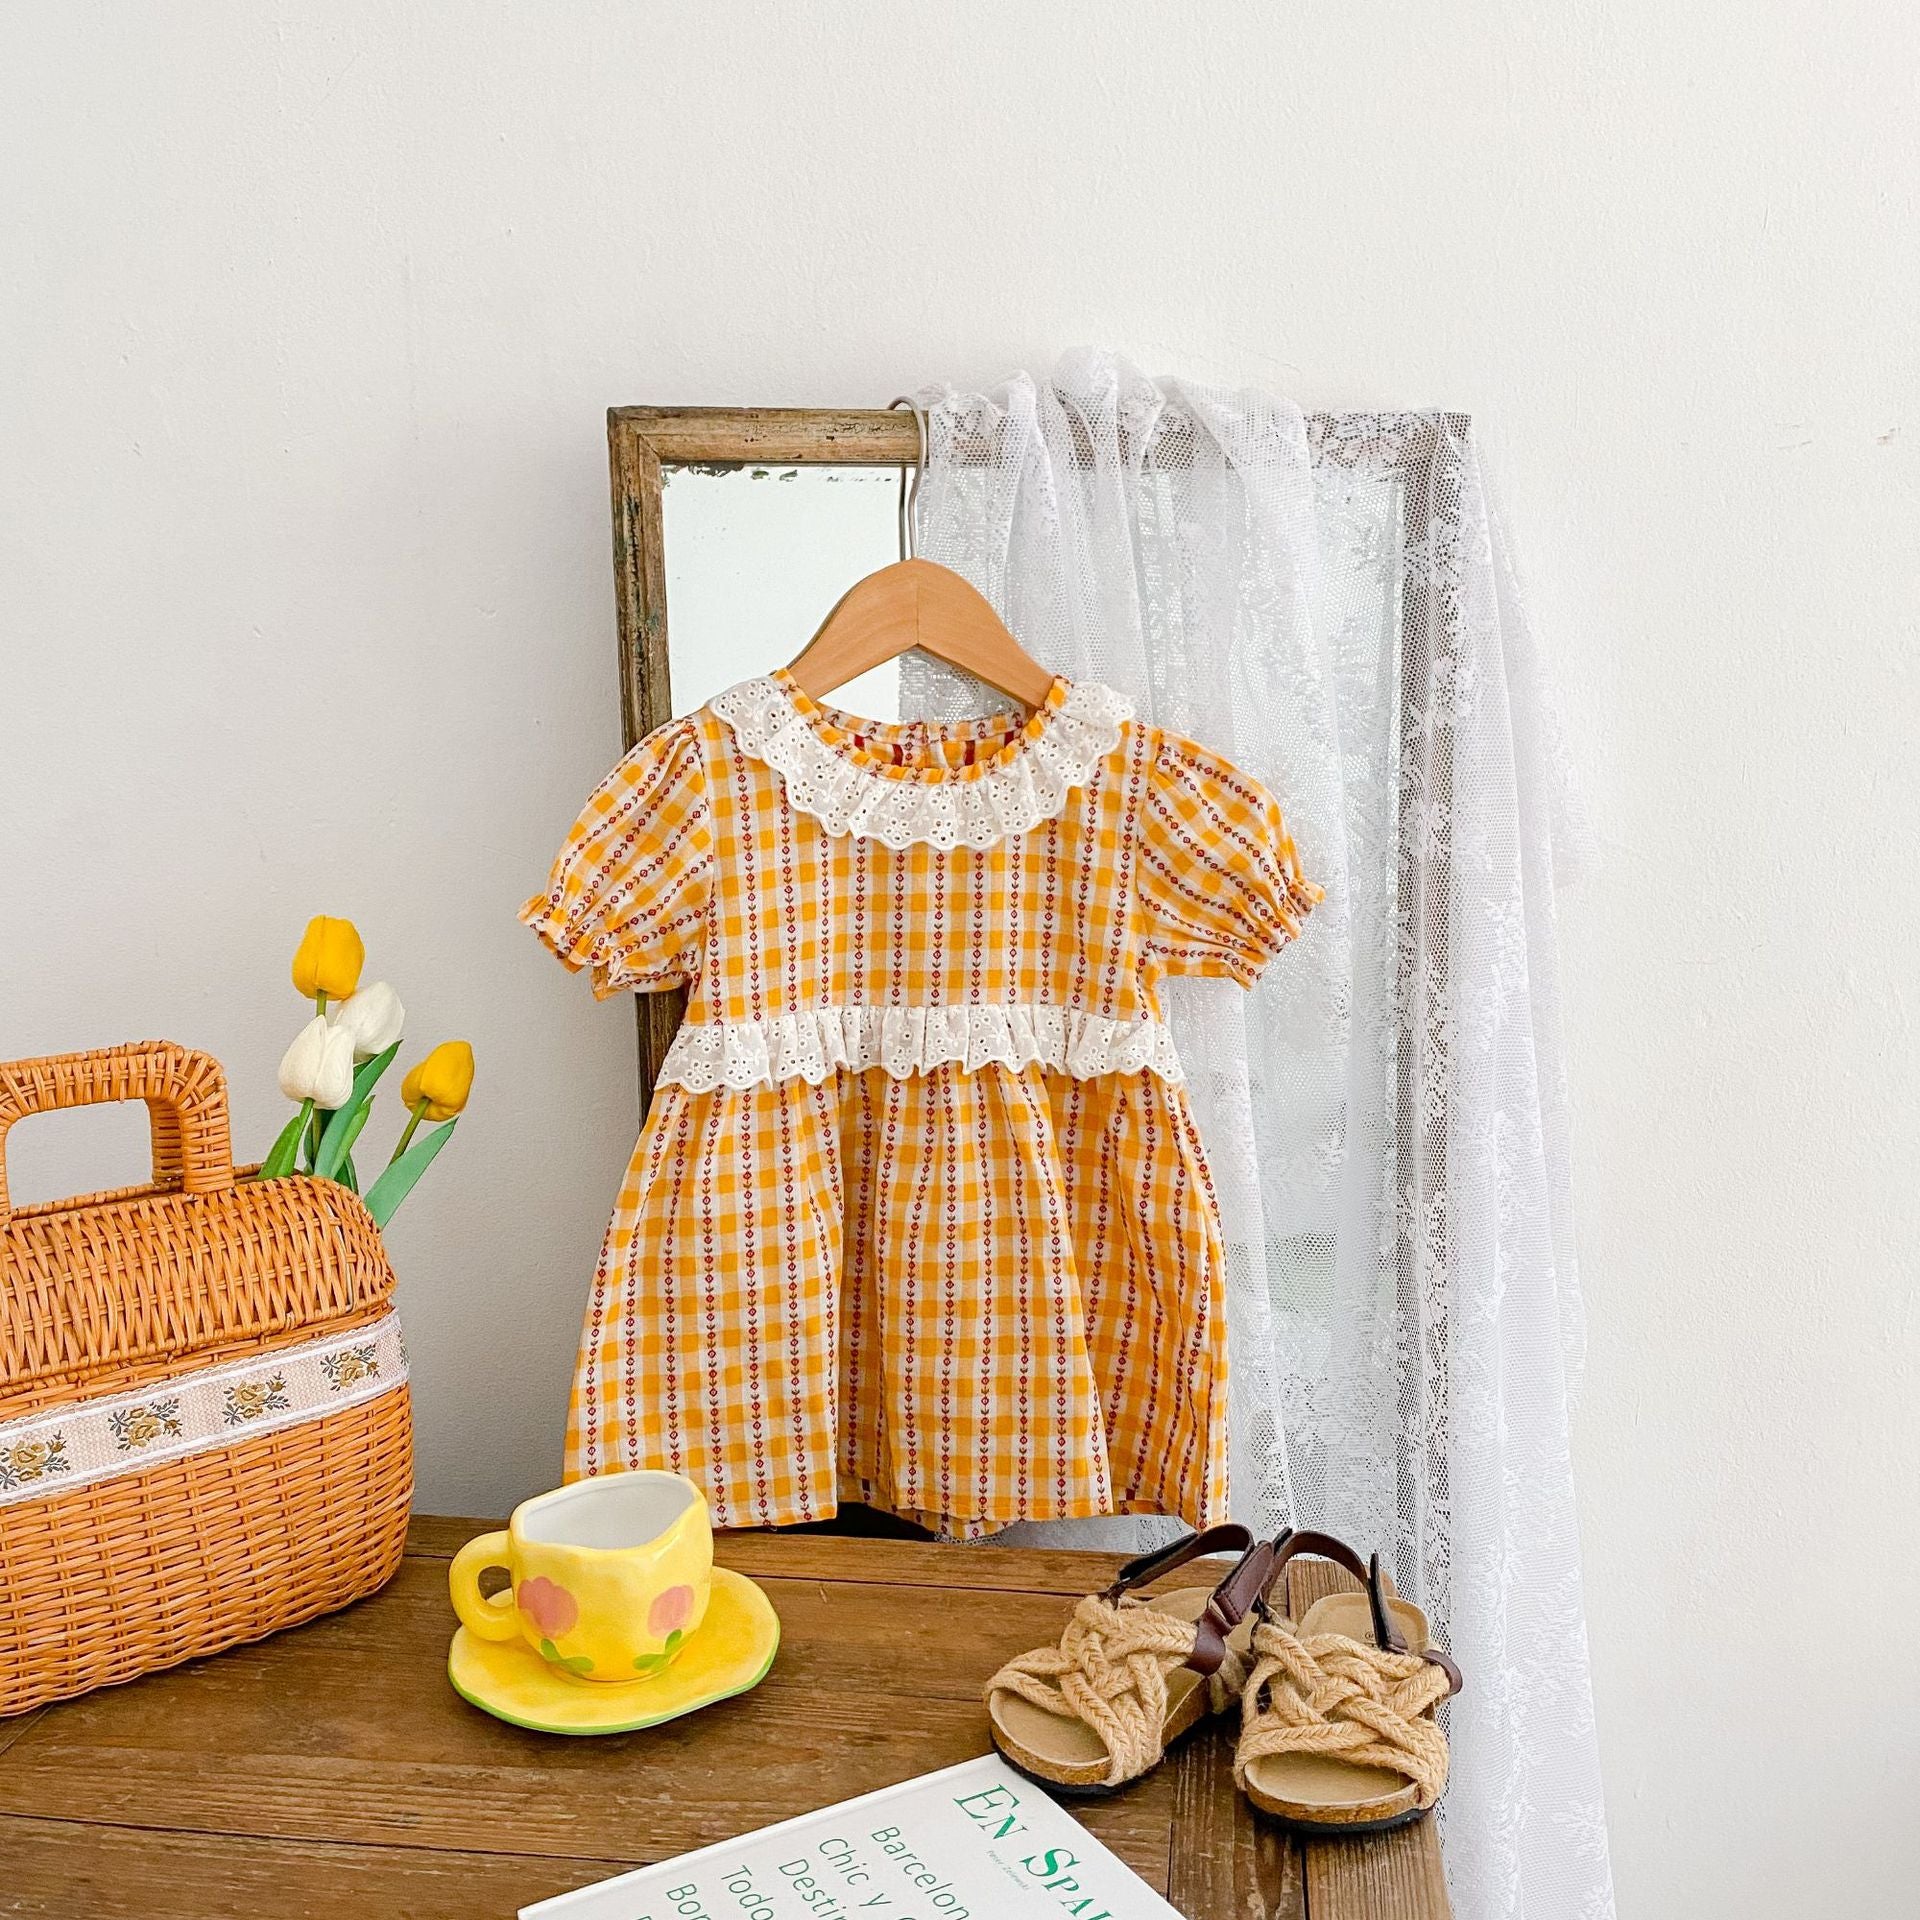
pixel 549 1606
pixel 670 1612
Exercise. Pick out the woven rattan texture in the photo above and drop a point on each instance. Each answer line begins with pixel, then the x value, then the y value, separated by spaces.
pixel 111 1290
pixel 117 1290
pixel 153 1568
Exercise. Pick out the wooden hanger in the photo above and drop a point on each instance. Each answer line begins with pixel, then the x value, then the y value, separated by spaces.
pixel 917 603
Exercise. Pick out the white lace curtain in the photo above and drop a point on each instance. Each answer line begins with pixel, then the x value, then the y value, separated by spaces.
pixel 1326 600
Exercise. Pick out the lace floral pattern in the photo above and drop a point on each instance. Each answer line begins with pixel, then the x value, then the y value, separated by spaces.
pixel 908 1040
pixel 1328 600
pixel 849 792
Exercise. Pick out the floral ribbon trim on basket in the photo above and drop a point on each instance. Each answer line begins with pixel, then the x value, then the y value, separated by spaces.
pixel 813 1045
pixel 979 806
pixel 88 1440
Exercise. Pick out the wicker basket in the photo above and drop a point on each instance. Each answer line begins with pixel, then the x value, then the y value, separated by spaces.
pixel 205 1427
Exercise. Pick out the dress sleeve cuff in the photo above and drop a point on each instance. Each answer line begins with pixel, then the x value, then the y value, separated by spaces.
pixel 569 942
pixel 1281 924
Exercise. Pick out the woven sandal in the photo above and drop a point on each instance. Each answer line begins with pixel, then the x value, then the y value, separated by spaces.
pixel 1337 1731
pixel 1130 1676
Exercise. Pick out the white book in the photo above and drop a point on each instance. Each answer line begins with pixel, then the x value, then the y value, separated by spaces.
pixel 972 1842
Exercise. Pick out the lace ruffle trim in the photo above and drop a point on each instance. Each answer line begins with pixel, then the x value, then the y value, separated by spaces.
pixel 1009 796
pixel 903 1041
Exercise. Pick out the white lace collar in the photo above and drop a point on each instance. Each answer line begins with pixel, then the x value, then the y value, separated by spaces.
pixel 832 773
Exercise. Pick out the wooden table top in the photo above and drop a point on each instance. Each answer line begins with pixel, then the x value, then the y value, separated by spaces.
pixel 332 1770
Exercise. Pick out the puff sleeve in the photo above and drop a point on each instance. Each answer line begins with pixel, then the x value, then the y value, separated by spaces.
pixel 1218 879
pixel 631 887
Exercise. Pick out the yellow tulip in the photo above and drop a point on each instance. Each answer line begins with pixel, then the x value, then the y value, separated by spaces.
pixel 443 1080
pixel 329 961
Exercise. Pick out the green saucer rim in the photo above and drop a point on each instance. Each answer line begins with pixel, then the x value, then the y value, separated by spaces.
pixel 652 1719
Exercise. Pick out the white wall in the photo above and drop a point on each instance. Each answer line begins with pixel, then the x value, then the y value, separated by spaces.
pixel 310 317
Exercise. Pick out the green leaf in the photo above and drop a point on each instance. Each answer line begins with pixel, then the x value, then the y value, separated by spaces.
pixel 344 1125
pixel 384 1196
pixel 342 1160
pixel 348 1177
pixel 279 1162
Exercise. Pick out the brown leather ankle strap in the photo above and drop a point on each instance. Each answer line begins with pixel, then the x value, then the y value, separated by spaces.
pixel 1227 1605
pixel 1444 1661
pixel 1323 1546
pixel 1230 1537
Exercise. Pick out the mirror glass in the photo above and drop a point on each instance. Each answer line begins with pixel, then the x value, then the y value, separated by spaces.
pixel 756 558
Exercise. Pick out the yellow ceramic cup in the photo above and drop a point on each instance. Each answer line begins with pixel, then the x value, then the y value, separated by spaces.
pixel 610 1575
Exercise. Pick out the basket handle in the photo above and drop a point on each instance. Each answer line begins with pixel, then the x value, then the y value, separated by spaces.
pixel 185 1092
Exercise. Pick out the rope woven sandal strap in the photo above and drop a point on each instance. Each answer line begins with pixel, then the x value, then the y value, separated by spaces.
pixel 1111 1666
pixel 1110 1670
pixel 1332 1696
pixel 1290 1543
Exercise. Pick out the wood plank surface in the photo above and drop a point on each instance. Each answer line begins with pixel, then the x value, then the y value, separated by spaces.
pixel 344 1735
pixel 67 1870
pixel 1224 1859
pixel 348 1730
pixel 11 1730
pixel 838 1557
pixel 1384 1873
pixel 331 1769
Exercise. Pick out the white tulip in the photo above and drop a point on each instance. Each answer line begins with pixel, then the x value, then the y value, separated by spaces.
pixel 374 1017
pixel 319 1065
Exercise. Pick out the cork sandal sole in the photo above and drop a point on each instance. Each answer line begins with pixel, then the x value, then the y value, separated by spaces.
pixel 1069 1754
pixel 1318 1794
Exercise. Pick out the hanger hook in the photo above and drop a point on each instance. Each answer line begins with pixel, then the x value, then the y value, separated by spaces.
pixel 910 495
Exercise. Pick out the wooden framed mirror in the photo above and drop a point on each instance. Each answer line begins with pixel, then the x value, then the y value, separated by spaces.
pixel 758 518
pixel 751 522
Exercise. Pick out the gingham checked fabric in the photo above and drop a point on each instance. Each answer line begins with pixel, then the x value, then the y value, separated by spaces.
pixel 971 1295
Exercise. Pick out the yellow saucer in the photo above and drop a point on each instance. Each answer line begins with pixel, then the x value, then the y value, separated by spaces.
pixel 730 1653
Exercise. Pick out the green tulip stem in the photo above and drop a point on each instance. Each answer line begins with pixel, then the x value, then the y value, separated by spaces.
pixel 320 1005
pixel 286 1149
pixel 419 1114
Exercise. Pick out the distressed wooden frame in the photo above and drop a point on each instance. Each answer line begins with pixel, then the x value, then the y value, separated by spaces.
pixel 641 443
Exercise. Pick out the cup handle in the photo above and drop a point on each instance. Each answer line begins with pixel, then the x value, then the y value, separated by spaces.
pixel 490 1619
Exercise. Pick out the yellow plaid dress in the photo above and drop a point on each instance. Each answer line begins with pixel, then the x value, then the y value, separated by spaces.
pixel 919 1216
